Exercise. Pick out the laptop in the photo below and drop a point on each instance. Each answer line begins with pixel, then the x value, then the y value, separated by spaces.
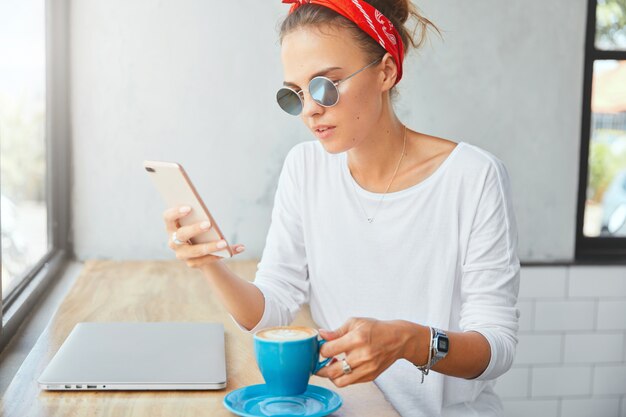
pixel 139 356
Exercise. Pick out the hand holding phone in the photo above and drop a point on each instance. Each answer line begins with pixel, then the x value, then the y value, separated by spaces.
pixel 177 190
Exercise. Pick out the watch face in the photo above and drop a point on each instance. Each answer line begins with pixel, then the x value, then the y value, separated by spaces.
pixel 442 344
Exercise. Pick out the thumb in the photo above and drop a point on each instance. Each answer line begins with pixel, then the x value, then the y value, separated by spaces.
pixel 334 334
pixel 327 334
pixel 237 248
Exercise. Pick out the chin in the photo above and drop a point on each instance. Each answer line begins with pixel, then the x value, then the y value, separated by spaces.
pixel 333 147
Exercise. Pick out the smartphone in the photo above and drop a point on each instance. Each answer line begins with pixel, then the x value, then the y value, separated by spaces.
pixel 176 188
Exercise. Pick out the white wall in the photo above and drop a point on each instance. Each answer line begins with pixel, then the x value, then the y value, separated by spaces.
pixel 189 81
pixel 194 81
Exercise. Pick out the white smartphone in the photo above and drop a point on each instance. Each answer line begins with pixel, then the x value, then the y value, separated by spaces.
pixel 176 188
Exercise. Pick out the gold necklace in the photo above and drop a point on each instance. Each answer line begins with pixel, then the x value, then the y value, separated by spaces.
pixel 371 219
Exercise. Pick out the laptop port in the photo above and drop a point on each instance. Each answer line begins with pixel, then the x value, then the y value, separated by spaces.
pixel 79 386
pixel 92 386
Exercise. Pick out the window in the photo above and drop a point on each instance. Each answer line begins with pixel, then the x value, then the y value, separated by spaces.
pixel 34 187
pixel 601 228
pixel 23 191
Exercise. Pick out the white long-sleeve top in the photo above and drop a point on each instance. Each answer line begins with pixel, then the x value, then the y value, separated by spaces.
pixel 442 253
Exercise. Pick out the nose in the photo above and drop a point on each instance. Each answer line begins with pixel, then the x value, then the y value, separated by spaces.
pixel 309 106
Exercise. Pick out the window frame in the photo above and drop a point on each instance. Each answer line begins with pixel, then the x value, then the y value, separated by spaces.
pixel 15 309
pixel 587 248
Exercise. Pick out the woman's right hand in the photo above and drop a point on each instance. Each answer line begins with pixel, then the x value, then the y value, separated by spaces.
pixel 195 255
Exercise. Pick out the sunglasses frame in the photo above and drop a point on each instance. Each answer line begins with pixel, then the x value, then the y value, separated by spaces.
pixel 300 93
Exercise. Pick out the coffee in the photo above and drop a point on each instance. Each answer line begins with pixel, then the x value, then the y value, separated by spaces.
pixel 286 333
pixel 287 357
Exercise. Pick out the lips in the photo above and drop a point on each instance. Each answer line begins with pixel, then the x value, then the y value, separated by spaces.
pixel 322 128
pixel 323 131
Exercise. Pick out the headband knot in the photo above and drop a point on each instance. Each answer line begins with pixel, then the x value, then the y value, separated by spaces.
pixel 368 19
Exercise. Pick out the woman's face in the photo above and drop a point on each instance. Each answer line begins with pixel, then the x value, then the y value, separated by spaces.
pixel 308 52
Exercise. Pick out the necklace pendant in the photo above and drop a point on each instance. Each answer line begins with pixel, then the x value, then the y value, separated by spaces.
pixel 371 219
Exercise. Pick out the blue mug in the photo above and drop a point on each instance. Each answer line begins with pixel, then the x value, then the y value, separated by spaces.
pixel 287 357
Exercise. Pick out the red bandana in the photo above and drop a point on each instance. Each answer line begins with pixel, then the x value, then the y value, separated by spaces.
pixel 370 20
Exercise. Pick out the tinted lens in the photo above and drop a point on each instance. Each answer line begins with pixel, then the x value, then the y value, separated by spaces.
pixel 323 91
pixel 289 101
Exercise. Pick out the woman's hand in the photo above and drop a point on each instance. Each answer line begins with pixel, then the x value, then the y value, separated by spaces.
pixel 371 346
pixel 195 255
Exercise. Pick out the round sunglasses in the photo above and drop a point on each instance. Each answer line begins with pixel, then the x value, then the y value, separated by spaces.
pixel 322 90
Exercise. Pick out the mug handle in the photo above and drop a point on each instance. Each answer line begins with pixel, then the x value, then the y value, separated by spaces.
pixel 323 363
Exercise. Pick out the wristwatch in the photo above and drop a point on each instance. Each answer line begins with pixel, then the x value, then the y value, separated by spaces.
pixel 440 345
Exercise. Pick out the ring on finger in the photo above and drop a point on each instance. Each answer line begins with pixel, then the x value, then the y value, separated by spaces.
pixel 346 366
pixel 176 241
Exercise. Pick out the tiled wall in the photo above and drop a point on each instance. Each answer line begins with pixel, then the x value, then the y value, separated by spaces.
pixel 571 356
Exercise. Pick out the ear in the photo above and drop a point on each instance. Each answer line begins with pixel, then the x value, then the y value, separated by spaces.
pixel 390 72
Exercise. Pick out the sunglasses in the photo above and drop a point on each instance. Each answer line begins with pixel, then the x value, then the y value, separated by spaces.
pixel 322 90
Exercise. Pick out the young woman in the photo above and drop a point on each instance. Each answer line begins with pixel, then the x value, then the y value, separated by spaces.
pixel 403 243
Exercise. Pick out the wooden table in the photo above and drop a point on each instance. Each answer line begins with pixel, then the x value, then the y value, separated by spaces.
pixel 154 291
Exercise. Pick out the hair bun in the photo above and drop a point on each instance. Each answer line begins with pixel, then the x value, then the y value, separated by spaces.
pixel 399 12
pixel 396 10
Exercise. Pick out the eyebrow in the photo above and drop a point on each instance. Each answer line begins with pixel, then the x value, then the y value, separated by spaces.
pixel 317 74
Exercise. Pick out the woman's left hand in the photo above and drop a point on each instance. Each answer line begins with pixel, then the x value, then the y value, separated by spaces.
pixel 370 346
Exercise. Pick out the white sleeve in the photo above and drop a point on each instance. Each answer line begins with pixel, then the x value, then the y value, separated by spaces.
pixel 282 274
pixel 491 272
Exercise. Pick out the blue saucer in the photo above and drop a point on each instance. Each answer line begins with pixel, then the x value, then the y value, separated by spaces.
pixel 255 401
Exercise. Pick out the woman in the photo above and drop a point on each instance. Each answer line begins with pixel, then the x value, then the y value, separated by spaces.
pixel 404 243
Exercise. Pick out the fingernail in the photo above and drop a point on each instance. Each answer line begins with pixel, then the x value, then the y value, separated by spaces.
pixel 205 225
pixel 185 209
pixel 240 248
pixel 221 244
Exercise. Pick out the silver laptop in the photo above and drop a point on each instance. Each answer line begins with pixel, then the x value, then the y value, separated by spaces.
pixel 139 356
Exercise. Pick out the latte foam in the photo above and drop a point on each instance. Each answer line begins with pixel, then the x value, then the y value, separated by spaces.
pixel 286 333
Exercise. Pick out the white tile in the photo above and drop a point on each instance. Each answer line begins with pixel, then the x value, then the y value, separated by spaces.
pixel 611 315
pixel 539 281
pixel 513 384
pixel 561 381
pixel 593 348
pixel 526 408
pixel 526 309
pixel 564 315
pixel 587 407
pixel 597 281
pixel 609 379
pixel 538 349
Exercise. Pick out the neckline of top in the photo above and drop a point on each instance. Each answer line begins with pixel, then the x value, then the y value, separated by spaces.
pixel 405 191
